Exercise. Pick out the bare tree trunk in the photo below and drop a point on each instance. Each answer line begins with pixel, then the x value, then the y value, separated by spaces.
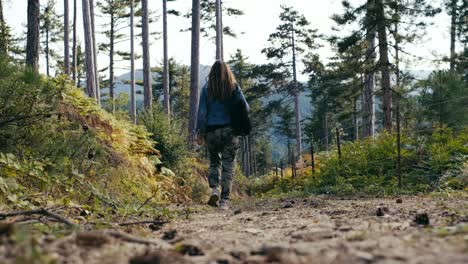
pixel 384 66
pixel 147 91
pixel 93 35
pixel 355 120
pixel 111 62
pixel 397 46
pixel 368 100
pixel 90 75
pixel 167 107
pixel 3 32
pixel 75 55
pixel 219 30
pixel 32 43
pixel 326 129
pixel 47 52
pixel 132 63
pixel 194 69
pixel 66 39
pixel 296 100
pixel 249 151
pixel 453 32
pixel 222 29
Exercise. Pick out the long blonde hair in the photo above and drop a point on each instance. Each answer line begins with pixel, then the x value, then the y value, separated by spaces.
pixel 221 81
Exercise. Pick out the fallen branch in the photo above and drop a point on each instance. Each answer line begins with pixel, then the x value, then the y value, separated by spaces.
pixel 156 222
pixel 149 199
pixel 132 239
pixel 40 211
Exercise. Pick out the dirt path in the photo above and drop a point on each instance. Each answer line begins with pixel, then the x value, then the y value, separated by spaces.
pixel 312 230
pixel 321 230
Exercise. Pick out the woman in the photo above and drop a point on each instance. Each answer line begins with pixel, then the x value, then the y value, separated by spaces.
pixel 213 126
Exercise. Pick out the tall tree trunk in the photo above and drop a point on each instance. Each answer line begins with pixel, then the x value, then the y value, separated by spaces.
pixel 147 91
pixel 47 52
pixel 219 30
pixel 397 46
pixel 32 43
pixel 222 28
pixel 111 62
pixel 296 99
pixel 194 69
pixel 249 153
pixel 368 100
pixel 75 55
pixel 3 32
pixel 325 127
pixel 90 74
pixel 166 62
pixel 355 120
pixel 453 32
pixel 93 35
pixel 132 63
pixel 384 66
pixel 66 39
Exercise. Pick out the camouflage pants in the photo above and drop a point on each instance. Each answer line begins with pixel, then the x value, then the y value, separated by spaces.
pixel 222 146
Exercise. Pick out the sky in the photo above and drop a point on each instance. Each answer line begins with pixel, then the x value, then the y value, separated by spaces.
pixel 260 19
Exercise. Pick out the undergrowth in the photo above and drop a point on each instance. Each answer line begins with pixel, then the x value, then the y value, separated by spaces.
pixel 437 162
pixel 58 147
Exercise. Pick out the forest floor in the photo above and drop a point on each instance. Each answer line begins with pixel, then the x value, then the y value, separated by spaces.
pixel 316 229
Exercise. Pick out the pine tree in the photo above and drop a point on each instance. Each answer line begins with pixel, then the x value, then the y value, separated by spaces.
pixel 66 39
pixel 74 48
pixel 386 19
pixel 293 38
pixel 32 45
pixel 219 31
pixel 4 33
pixel 194 69
pixel 95 62
pixel 147 91
pixel 132 107
pixel 116 12
pixel 89 51
pixel 51 29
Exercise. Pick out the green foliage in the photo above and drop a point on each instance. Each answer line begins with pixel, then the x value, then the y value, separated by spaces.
pixel 437 162
pixel 443 97
pixel 59 148
pixel 169 135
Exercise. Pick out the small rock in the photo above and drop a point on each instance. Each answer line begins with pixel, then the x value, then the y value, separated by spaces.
pixel 287 205
pixel 380 211
pixel 7 229
pixel 91 239
pixel 421 219
pixel 239 255
pixel 169 235
pixel 238 211
pixel 158 257
pixel 293 202
pixel 399 200
pixel 190 250
pixel 84 213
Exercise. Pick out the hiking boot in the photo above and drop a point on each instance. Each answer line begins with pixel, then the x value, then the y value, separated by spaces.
pixel 214 198
pixel 223 205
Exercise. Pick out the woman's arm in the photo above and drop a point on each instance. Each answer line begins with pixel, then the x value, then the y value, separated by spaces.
pixel 202 112
pixel 243 99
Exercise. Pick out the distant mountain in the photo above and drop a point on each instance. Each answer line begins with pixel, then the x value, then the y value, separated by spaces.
pixel 121 83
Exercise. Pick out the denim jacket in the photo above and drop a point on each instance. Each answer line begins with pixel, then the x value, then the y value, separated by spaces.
pixel 212 112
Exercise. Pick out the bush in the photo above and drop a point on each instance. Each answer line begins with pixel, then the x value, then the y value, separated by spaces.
pixel 57 146
pixel 169 135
